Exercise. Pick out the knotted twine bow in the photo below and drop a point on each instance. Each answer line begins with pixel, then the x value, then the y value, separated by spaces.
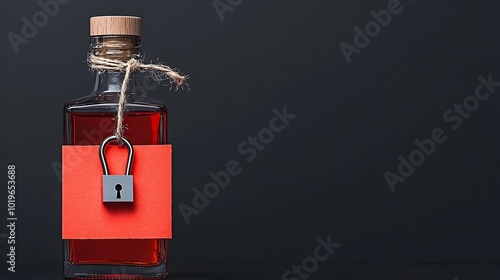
pixel 159 73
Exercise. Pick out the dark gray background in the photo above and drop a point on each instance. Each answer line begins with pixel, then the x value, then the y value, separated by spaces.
pixel 323 175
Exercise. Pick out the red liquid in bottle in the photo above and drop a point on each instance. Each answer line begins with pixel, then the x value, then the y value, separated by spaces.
pixel 141 128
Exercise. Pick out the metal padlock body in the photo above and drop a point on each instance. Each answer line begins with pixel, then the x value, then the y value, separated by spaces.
pixel 117 188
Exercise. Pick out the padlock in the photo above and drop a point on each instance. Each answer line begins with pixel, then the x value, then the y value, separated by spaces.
pixel 117 188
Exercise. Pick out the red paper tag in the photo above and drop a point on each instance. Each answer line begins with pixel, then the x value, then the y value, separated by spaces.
pixel 85 216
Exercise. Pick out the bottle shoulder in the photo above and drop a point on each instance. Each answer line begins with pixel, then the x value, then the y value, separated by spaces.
pixel 107 102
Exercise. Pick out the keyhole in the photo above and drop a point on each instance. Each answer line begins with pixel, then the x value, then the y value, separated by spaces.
pixel 118 188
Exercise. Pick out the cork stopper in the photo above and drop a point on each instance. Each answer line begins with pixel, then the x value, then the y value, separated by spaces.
pixel 115 25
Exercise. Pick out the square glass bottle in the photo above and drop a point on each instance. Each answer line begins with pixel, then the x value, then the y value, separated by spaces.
pixel 88 121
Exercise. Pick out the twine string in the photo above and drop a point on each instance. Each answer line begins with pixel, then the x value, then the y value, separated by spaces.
pixel 159 72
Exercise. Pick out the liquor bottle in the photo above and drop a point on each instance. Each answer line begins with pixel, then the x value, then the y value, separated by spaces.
pixel 88 121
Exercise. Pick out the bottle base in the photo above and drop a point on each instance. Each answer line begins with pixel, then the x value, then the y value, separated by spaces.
pixel 72 271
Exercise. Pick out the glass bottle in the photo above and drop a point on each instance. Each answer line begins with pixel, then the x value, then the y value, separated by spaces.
pixel 88 121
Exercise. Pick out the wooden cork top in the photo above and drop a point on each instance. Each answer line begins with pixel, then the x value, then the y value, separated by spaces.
pixel 115 25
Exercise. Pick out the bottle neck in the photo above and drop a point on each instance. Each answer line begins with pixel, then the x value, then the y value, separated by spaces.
pixel 111 83
pixel 118 48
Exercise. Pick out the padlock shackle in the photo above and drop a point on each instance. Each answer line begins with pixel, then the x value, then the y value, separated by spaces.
pixel 103 156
